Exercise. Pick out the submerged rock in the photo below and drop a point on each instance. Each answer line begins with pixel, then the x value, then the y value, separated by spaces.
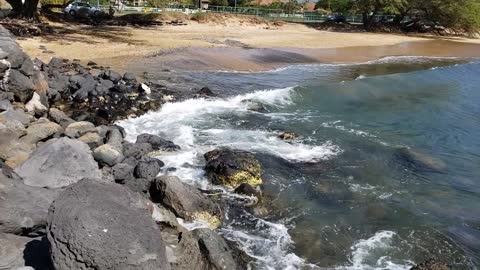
pixel 185 201
pixel 431 264
pixel 233 167
pixel 419 160
pixel 58 163
pixel 107 226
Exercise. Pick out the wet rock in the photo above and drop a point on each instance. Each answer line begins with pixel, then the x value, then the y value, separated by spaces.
pixel 60 117
pixel 107 154
pixel 287 136
pixel 233 167
pixel 184 200
pixel 78 129
pixel 148 168
pixel 157 142
pixel 136 150
pixel 58 163
pixel 92 139
pixel 205 92
pixel 204 249
pixel 246 189
pixel 419 160
pixel 122 172
pixel 24 208
pixel 431 264
pixel 256 106
pixel 21 86
pixel 41 130
pixel 35 106
pixel 106 225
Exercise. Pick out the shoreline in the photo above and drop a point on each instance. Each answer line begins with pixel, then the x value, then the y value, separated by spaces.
pixel 230 46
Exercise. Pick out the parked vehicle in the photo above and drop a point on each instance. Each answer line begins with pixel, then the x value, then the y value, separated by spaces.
pixel 337 18
pixel 79 9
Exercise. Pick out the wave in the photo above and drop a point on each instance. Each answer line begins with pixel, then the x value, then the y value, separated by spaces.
pixel 369 254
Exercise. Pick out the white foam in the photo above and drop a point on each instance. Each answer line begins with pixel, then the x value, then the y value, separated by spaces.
pixel 371 254
pixel 270 247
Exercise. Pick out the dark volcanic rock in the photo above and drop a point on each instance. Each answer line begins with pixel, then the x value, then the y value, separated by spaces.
pixel 27 67
pixel 107 226
pixel 21 86
pixel 205 92
pixel 58 163
pixel 122 172
pixel 24 208
pixel 157 142
pixel 233 167
pixel 112 76
pixel 129 77
pixel 60 117
pixel 431 264
pixel 246 189
pixel 148 168
pixel 204 249
pixel 185 201
pixel 136 150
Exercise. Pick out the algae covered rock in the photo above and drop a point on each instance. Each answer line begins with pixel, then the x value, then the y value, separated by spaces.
pixel 233 167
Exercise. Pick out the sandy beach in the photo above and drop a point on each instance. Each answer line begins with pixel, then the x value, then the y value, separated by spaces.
pixel 233 45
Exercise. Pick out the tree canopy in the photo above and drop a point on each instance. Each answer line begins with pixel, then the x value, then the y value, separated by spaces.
pixel 460 14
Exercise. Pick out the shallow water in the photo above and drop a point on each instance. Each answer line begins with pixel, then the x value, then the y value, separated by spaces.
pixel 342 196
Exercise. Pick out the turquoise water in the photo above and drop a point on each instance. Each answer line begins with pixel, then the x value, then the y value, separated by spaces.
pixel 343 196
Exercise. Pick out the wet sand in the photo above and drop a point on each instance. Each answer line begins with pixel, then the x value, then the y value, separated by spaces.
pixel 261 59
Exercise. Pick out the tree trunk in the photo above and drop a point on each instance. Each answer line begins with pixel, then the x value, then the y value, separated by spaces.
pixel 26 10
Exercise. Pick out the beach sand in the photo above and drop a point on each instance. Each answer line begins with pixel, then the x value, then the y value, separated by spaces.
pixel 229 46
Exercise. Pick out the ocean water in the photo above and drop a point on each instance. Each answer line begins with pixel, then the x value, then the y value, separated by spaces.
pixel 341 196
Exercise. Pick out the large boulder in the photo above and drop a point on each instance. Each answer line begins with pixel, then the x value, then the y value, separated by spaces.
pixel 157 142
pixel 24 208
pixel 204 249
pixel 58 163
pixel 233 167
pixel 185 201
pixel 93 225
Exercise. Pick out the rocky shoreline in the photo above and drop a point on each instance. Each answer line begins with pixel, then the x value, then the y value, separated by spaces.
pixel 74 194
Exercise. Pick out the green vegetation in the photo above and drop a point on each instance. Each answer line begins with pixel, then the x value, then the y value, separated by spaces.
pixel 455 14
